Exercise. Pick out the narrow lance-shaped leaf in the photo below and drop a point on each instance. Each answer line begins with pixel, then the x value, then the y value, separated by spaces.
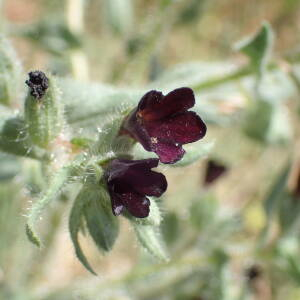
pixel 75 223
pixel 289 211
pixel 272 201
pixel 35 212
pixel 55 187
pixel 276 191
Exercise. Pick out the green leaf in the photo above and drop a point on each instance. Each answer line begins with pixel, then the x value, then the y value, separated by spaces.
pixel 268 122
pixel 50 34
pixel 14 139
pixel 276 87
pixel 103 226
pixel 273 200
pixel 81 142
pixel 5 114
pixel 9 166
pixel 203 212
pixel 91 104
pixel 32 171
pixel 44 117
pixel 280 128
pixel 55 186
pixel 138 152
pixel 258 119
pixel 194 152
pixel 149 237
pixel 258 47
pixel 191 12
pixel 170 228
pixel 119 15
pixel 75 223
pixel 109 144
pixel 198 75
pixel 10 74
pixel 289 211
pixel 275 194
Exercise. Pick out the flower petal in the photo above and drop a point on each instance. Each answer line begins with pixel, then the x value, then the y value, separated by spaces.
pixel 149 183
pixel 182 129
pixel 136 204
pixel 123 168
pixel 155 106
pixel 137 176
pixel 214 170
pixel 134 127
pixel 116 204
pixel 141 164
pixel 168 153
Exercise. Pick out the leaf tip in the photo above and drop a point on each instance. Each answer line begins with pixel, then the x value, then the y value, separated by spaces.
pixel 32 237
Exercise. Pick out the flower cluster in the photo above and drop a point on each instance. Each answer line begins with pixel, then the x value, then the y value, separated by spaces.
pixel 162 124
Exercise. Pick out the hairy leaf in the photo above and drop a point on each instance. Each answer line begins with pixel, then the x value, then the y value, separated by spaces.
pixel 103 226
pixel 10 74
pixel 9 166
pixel 258 47
pixel 149 237
pixel 75 223
pixel 14 139
pixel 54 188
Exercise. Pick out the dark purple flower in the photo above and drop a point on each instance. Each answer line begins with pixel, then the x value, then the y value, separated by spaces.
pixel 296 190
pixel 130 181
pixel 214 170
pixel 253 272
pixel 162 124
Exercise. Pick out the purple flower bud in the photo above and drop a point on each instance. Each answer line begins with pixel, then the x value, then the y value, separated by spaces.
pixel 130 181
pixel 254 272
pixel 162 124
pixel 38 83
pixel 214 170
pixel 296 190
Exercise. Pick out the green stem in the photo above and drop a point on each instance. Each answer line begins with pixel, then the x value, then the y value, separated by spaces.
pixel 239 74
pixel 295 79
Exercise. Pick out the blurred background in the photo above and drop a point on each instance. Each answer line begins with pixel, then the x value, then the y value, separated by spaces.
pixel 232 218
